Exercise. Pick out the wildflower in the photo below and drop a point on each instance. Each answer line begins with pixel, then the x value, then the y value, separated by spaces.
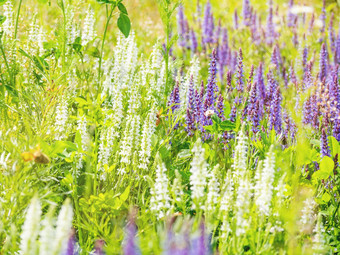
pixel 240 154
pixel 88 30
pixel 8 24
pixel 145 145
pixel 194 43
pixel 30 229
pixel 199 174
pixel 325 151
pixel 211 86
pixel 182 27
pixel 246 12
pixel 63 229
pixel 291 16
pixel 130 246
pixel 220 107
pixel 99 247
pixel 318 240
pixel 208 25
pixel 177 187
pixel 213 190
pixel 239 74
pixel 323 17
pixel 307 213
pixel 275 116
pixel 200 245
pixel 160 199
pixel 47 234
pixel 264 184
pixel 209 113
pixel 323 62
pixel 235 20
pixel 61 117
pixel 270 32
pixel 222 53
pixel 242 204
pixel 130 140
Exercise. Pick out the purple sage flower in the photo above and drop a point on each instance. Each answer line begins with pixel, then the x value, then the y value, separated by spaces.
pixel 208 25
pixel 239 73
pixel 323 62
pixel 275 116
pixel 324 149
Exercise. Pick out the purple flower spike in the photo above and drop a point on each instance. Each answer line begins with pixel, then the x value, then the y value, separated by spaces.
pixel 183 29
pixel 233 112
pixel 246 13
pixel 208 25
pixel 98 247
pixel 272 86
pixel 270 32
pixel 336 128
pixel 240 74
pixel 211 86
pixel 235 20
pixel 222 53
pixel 217 32
pixel 254 108
pixel 260 82
pixel 337 49
pixel 311 24
pixel 331 33
pixel 276 57
pixel 324 144
pixel 174 100
pixel 323 62
pixel 229 79
pixel 191 109
pixel 130 246
pixel 220 107
pixel 71 246
pixel 323 17
pixel 193 39
pixel 200 245
pixel 291 16
pixel 275 116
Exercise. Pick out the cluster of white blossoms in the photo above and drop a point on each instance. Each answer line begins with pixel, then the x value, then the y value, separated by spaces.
pixel 42 237
pixel 263 189
pixel 160 199
pixel 199 174
pixel 8 25
pixel 88 30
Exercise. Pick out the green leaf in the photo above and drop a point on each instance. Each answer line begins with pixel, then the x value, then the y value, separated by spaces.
pixel 326 197
pixel 124 24
pixel 209 129
pixel 125 194
pixel 215 119
pixel 2 19
pixel 334 146
pixel 93 51
pixel 327 165
pixel 81 100
pixel 227 125
pixel 122 8
pixel 326 169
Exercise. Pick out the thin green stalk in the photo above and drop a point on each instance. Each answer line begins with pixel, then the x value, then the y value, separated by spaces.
pixel 17 20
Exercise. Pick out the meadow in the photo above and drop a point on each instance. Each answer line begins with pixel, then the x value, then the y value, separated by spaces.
pixel 169 127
